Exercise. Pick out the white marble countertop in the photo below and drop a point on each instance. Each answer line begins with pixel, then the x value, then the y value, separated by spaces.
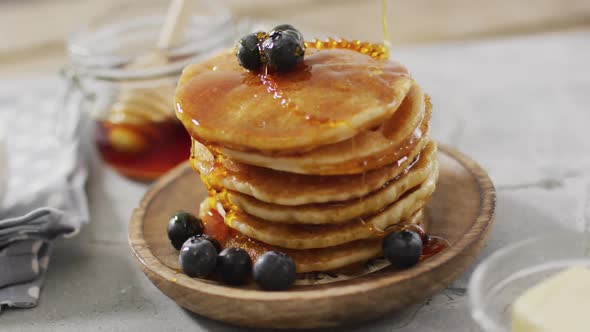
pixel 520 107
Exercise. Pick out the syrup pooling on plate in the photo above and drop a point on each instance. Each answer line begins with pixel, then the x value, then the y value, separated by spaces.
pixel 219 101
pixel 432 245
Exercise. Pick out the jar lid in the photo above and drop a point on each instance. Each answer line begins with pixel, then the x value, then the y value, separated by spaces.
pixel 106 47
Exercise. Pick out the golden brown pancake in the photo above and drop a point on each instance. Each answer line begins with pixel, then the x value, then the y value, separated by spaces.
pixel 346 167
pixel 360 153
pixel 340 211
pixel 337 95
pixel 323 236
pixel 284 188
pixel 320 162
pixel 322 259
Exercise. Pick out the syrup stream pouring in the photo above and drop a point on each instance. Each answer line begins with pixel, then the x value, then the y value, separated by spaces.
pixel 386 38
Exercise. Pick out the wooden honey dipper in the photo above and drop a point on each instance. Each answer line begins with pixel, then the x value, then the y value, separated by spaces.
pixel 141 106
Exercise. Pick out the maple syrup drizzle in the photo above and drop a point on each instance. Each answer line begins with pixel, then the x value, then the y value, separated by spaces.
pixel 273 88
pixel 431 245
pixel 374 50
pixel 386 38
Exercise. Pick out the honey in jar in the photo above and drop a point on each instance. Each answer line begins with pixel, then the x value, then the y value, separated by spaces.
pixel 142 152
pixel 128 95
pixel 139 135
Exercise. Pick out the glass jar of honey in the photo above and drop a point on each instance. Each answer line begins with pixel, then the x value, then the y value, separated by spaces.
pixel 126 85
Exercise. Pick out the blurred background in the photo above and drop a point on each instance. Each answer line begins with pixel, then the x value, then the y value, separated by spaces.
pixel 34 32
pixel 508 78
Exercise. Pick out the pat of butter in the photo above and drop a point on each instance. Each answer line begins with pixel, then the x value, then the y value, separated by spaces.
pixel 559 303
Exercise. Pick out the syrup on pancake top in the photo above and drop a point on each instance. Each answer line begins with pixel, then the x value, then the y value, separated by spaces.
pixel 332 96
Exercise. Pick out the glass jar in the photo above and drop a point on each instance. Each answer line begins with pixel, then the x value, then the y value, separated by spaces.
pixel 126 85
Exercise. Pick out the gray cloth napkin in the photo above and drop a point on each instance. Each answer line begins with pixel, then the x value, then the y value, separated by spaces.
pixel 22 268
pixel 45 195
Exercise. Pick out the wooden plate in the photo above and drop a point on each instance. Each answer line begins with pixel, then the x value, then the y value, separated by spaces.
pixel 461 210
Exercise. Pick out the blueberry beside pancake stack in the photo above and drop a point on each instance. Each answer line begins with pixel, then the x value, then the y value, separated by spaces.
pixel 319 162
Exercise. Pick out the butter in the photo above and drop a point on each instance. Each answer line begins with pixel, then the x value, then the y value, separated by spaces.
pixel 559 303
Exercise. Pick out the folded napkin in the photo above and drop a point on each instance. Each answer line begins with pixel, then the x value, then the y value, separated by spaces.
pixel 45 195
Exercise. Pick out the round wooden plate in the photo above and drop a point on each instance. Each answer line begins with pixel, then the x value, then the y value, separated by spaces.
pixel 461 210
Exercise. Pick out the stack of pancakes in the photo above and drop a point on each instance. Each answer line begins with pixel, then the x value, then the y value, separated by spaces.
pixel 320 163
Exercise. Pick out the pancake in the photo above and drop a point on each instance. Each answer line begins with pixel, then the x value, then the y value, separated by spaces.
pixel 366 151
pixel 340 212
pixel 309 166
pixel 283 188
pixel 336 95
pixel 319 163
pixel 323 236
pixel 324 259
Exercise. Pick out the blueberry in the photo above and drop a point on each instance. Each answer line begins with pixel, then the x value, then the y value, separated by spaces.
pixel 248 52
pixel 283 50
pixel 198 257
pixel 274 271
pixel 402 248
pixel 283 27
pixel 211 239
pixel 234 266
pixel 182 226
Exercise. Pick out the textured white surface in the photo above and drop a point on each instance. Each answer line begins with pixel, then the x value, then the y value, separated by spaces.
pixel 44 166
pixel 39 160
pixel 520 107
